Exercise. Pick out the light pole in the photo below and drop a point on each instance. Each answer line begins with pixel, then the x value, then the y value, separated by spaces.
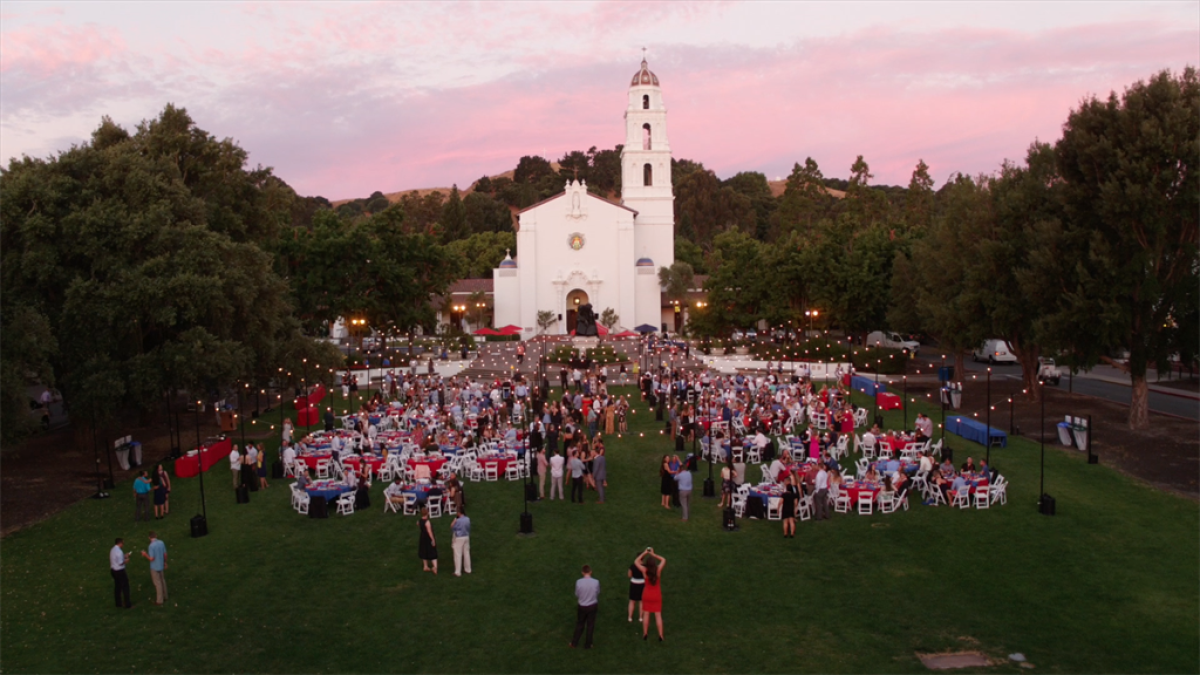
pixel 988 435
pixel 200 465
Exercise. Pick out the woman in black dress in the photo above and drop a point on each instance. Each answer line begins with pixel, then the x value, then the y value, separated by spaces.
pixel 668 481
pixel 427 547
pixel 791 493
pixel 637 582
pixel 162 486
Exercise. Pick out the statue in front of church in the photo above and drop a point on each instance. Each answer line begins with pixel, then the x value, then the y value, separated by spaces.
pixel 585 322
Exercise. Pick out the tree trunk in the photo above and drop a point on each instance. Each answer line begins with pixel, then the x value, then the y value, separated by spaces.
pixel 1029 373
pixel 960 366
pixel 1139 403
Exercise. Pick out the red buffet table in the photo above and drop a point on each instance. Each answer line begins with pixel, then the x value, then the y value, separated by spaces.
pixel 306 406
pixel 188 466
pixel 888 400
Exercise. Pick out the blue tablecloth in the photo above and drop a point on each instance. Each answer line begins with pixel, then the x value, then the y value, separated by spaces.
pixel 330 494
pixel 421 491
pixel 975 431
pixel 867 385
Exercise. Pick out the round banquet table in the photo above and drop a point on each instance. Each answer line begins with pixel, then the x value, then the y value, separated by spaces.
pixel 373 461
pixel 328 489
pixel 500 462
pixel 421 490
pixel 854 488
pixel 434 465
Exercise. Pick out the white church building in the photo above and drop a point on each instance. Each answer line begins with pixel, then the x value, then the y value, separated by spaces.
pixel 576 248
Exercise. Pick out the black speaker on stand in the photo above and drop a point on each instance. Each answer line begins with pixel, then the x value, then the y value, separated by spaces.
pixel 526 523
pixel 243 494
pixel 199 526
pixel 729 520
pixel 1046 505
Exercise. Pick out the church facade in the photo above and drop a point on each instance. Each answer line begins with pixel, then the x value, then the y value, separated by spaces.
pixel 576 248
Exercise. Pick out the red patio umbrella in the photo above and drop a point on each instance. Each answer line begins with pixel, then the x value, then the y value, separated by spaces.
pixel 509 330
pixel 627 333
pixel 485 331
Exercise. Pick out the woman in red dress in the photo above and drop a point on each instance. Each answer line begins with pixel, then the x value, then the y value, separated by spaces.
pixel 652 594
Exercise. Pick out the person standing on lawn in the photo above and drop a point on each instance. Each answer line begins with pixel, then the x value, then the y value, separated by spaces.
pixel 587 595
pixel 156 553
pixel 235 466
pixel 427 546
pixel 117 559
pixel 141 493
pixel 600 472
pixel 461 543
pixel 556 475
pixel 652 593
pixel 683 478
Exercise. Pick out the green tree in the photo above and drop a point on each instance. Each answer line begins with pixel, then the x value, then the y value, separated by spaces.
pixel 141 254
pixel 804 200
pixel 754 186
pixel 691 254
pixel 545 319
pixel 485 214
pixel 703 208
pixel 532 169
pixel 735 286
pixel 1130 190
pixel 1012 255
pixel 919 200
pixel 609 318
pixel 454 218
pixel 476 256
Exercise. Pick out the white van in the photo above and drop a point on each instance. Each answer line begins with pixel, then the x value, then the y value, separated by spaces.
pixel 994 351
pixel 890 340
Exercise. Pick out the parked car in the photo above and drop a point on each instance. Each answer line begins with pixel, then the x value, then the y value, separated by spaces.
pixel 994 351
pixel 891 340
pixel 1048 371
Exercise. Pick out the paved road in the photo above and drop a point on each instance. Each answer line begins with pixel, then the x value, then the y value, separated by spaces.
pixel 1110 391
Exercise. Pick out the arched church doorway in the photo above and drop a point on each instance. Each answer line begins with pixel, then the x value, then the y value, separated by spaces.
pixel 575 298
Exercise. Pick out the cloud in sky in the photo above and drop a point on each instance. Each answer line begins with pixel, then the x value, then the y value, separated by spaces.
pixel 343 99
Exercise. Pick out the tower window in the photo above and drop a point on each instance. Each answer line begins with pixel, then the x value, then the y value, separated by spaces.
pixel 645 136
pixel 645 101
pixel 647 175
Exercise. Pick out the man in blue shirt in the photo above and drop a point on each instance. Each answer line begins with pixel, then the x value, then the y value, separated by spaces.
pixel 156 553
pixel 461 543
pixel 587 594
pixel 684 479
pixel 141 490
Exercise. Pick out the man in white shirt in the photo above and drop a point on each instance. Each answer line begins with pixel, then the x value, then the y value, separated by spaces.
pixel 761 442
pixel 926 463
pixel 556 474
pixel 117 559
pixel 924 425
pixel 821 497
pixel 868 439
pixel 394 493
pixel 777 469
pixel 235 466
pixel 289 455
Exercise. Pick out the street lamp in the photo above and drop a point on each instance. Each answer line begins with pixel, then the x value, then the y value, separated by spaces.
pixel 811 314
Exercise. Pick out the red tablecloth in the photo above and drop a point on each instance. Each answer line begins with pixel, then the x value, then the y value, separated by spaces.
pixel 188 466
pixel 373 462
pixel 307 417
pixel 888 400
pixel 853 489
pixel 434 465
pixel 500 462
pixel 313 399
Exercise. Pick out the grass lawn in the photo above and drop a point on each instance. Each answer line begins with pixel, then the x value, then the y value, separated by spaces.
pixel 1107 585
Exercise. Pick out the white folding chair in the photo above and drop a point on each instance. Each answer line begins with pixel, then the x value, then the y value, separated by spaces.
pixel 866 503
pixel 739 504
pixel 962 498
pixel 410 504
pixel 774 508
pixel 387 472
pixel 303 500
pixel 345 504
pixel 982 498
pixel 434 504
pixel 323 469
pixel 999 491
pixel 841 499
pixel 512 471
pixel 887 502
pixel 389 505
pixel 491 471
pixel 766 474
pixel 805 508
pixel 868 448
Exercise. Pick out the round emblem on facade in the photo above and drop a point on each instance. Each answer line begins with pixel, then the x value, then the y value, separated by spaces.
pixel 575 241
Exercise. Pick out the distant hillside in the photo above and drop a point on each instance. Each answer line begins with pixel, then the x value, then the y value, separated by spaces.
pixel 394 197
pixel 777 188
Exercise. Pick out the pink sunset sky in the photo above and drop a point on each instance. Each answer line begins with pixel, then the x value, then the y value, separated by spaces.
pixel 346 98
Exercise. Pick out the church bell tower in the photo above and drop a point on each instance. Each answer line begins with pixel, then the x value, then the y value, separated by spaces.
pixel 646 173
